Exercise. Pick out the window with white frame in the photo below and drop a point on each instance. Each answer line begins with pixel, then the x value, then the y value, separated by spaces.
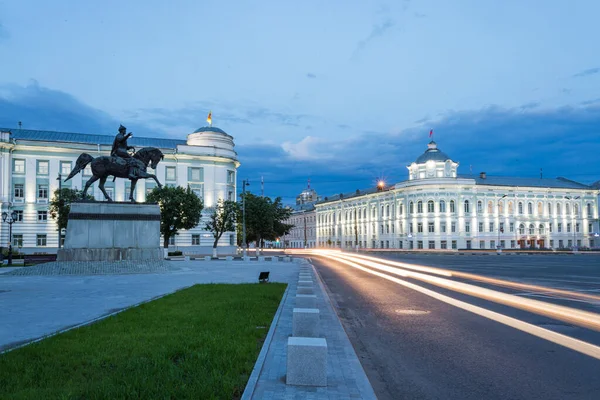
pixel 195 240
pixel 65 167
pixel 41 240
pixel 19 215
pixel 479 206
pixel 43 167
pixel 530 208
pixel 466 208
pixel 430 227
pixel 411 208
pixel 170 174
pixel 430 206
pixel 452 206
pixel 442 206
pixel 521 229
pixel 18 166
pixel 419 207
pixel 43 192
pixel 531 229
pixel 520 208
pixel 231 177
pixel 42 216
pixel 17 240
pixel 195 174
pixel 467 227
pixel 19 191
pixel 419 227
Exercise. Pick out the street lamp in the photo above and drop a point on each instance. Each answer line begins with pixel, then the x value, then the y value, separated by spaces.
pixel 499 247
pixel 380 185
pixel 244 184
pixel 9 220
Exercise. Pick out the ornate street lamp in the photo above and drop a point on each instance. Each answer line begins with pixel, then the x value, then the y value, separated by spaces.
pixel 9 220
pixel 244 184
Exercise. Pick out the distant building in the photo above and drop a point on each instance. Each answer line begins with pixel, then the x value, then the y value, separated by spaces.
pixel 437 208
pixel 31 161
pixel 304 232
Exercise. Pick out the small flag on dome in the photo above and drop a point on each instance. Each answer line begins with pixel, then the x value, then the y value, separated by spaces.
pixel 209 118
pixel 431 133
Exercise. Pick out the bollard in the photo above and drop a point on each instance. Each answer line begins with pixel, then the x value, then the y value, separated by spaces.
pixel 305 322
pixel 306 301
pixel 306 361
pixel 305 290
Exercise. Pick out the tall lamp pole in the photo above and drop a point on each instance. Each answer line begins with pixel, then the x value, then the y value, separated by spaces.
pixel 244 184
pixel 9 219
pixel 499 217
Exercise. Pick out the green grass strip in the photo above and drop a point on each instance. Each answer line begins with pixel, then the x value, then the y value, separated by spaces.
pixel 198 343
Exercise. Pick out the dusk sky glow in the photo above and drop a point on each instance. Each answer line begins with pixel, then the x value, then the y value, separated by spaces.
pixel 343 92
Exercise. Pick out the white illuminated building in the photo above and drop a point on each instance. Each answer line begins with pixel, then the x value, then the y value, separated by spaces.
pixel 303 234
pixel 437 208
pixel 31 161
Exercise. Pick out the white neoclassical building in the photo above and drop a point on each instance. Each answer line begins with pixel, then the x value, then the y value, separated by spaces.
pixel 31 161
pixel 303 220
pixel 437 208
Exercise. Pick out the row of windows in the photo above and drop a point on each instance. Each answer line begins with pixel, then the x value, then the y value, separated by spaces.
pixel 385 210
pixel 41 240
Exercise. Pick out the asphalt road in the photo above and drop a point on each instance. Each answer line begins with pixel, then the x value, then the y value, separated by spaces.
pixel 413 346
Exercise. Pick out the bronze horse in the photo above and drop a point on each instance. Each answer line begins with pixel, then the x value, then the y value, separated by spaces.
pixel 105 166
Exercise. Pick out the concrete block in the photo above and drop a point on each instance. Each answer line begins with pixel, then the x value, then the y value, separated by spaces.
pixel 306 361
pixel 229 258
pixel 305 275
pixel 305 322
pixel 305 290
pixel 306 301
pixel 207 258
pixel 306 282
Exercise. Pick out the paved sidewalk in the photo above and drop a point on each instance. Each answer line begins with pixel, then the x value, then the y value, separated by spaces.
pixel 346 378
pixel 34 306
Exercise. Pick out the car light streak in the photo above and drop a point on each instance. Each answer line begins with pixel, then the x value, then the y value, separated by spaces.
pixel 557 338
pixel 566 314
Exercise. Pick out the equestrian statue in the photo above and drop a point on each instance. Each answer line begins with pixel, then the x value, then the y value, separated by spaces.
pixel 120 164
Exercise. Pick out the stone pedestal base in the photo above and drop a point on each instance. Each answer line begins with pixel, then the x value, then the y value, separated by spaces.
pixel 101 231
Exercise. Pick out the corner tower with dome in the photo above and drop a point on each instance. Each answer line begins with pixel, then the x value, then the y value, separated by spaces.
pixel 434 163
pixel 32 160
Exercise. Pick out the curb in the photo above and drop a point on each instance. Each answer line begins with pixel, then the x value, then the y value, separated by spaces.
pixel 260 361
pixel 368 387
pixel 88 322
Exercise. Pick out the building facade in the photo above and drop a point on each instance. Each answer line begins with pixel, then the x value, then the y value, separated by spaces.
pixel 31 162
pixel 304 220
pixel 436 208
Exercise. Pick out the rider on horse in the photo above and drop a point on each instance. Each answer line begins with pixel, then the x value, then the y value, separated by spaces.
pixel 120 149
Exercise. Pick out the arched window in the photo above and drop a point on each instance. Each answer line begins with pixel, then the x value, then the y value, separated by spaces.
pixel 466 208
pixel 529 208
pixel 382 214
pixel 490 207
pixel 510 207
pixel 576 209
pixel 411 208
pixel 392 210
pixel 479 206
pixel 520 208
pixel 430 207
pixel 374 212
pixel 452 206
pixel 442 206
pixel 541 229
pixel 558 209
pixel 365 213
pixel 387 210
pixel 589 209
pixel 501 207
pixel 522 229
pixel 400 208
pixel 419 206
pixel 540 208
pixel 567 209
pixel 531 229
pixel 549 208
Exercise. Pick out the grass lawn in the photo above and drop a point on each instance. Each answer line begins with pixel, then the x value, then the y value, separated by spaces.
pixel 198 343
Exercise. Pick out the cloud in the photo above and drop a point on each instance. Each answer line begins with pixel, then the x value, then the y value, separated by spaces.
pixel 38 107
pixel 377 30
pixel 311 75
pixel 587 72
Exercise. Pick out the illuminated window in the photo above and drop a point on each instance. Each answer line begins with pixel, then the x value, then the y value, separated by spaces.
pixel 490 207
pixel 452 207
pixel 442 206
pixel 170 173
pixel 42 167
pixel 420 207
pixel 479 206
pixel 18 166
pixel 430 206
pixel 466 204
pixel 19 191
pixel 65 167
pixel 540 208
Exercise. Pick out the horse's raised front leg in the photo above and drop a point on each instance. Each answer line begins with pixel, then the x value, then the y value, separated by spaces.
pixel 101 186
pixel 133 183
pixel 145 175
pixel 93 179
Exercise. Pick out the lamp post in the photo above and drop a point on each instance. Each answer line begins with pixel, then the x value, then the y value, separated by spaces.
pixel 9 219
pixel 499 247
pixel 244 184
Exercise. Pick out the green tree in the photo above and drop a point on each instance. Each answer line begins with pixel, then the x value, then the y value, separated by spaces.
pixel 222 219
pixel 60 205
pixel 179 209
pixel 264 219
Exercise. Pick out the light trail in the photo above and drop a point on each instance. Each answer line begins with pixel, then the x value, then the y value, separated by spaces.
pixel 566 314
pixel 557 338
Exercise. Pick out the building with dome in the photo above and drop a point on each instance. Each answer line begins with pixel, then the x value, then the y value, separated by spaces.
pixel 31 161
pixel 303 220
pixel 438 208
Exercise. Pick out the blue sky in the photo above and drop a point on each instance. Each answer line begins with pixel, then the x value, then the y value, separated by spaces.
pixel 341 91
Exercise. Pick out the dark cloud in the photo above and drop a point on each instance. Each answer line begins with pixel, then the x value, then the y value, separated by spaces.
pixel 587 72
pixel 311 75
pixel 38 107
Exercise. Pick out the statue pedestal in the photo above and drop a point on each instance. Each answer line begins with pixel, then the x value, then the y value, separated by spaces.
pixel 101 231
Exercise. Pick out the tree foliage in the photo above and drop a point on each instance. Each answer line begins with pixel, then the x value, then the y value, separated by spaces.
pixel 179 209
pixel 264 218
pixel 222 219
pixel 60 205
